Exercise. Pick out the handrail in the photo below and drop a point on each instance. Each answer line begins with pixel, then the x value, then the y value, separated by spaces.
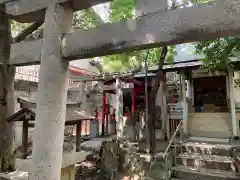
pixel 173 138
pixel 165 157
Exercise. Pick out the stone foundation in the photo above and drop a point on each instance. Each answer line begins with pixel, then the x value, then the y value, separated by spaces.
pixel 122 161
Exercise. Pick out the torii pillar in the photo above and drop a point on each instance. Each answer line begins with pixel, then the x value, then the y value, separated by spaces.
pixel 52 97
pixel 119 108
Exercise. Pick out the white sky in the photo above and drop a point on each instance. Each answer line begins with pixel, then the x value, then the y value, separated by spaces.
pixel 102 10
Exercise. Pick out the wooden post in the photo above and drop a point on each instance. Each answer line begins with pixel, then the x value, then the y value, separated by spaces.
pixel 184 102
pixel 107 107
pixel 191 95
pixel 235 122
pixel 25 138
pixel 228 93
pixel 103 112
pixel 78 135
pixel 119 108
pixel 164 113
pixel 190 91
pixel 133 99
pixel 52 97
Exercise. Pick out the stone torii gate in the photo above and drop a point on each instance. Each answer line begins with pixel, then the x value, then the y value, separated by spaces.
pixel 155 26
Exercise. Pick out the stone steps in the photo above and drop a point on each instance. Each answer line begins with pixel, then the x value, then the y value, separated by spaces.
pixel 187 173
pixel 201 158
pixel 196 160
pixel 208 148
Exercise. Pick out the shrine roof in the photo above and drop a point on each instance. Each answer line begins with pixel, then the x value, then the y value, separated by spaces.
pixel 76 71
pixel 73 113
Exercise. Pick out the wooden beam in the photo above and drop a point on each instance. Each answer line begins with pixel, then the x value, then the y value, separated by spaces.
pixel 34 10
pixel 78 135
pixel 196 23
pixel 25 138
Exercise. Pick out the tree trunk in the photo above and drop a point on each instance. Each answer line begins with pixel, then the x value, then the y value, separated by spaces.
pixel 7 100
pixel 152 108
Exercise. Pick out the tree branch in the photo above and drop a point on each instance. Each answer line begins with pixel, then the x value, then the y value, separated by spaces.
pixel 22 35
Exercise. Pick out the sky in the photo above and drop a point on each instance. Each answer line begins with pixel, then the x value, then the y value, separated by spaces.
pixel 102 10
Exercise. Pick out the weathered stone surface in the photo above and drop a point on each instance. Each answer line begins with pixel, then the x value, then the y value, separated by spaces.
pixel 34 10
pixel 170 27
pixel 121 160
pixel 144 7
pixel 176 26
pixel 52 97
pixel 16 175
pixel 4 1
pixel 236 156
pixel 26 53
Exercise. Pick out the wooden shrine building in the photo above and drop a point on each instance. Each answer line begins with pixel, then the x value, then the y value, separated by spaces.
pixel 74 117
pixel 206 104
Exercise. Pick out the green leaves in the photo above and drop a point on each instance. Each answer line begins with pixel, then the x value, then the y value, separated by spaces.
pixel 121 9
pixel 86 19
pixel 218 52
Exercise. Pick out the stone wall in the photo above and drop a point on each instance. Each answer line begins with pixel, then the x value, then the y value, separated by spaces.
pixel 122 160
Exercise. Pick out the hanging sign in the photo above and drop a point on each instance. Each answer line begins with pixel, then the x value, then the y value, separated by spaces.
pixel 113 86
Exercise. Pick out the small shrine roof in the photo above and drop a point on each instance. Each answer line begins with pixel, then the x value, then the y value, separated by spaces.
pixel 73 113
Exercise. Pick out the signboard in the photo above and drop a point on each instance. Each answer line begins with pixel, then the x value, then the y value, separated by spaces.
pixel 199 73
pixel 113 86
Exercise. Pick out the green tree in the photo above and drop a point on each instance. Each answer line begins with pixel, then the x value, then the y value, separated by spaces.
pixel 218 52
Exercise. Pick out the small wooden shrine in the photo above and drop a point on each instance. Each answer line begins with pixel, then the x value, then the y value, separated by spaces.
pixel 84 122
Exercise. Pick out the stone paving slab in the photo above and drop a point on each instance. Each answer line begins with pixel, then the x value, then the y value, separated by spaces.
pixel 16 175
pixel 95 144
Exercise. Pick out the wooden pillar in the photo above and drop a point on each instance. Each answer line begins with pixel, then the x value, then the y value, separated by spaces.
pixel 78 135
pixel 133 99
pixel 164 108
pixel 235 122
pixel 52 97
pixel 25 138
pixel 103 113
pixel 228 92
pixel 184 102
pixel 107 108
pixel 191 91
pixel 119 108
pixel 190 94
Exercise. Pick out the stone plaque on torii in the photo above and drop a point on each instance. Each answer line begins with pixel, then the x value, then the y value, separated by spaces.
pixel 154 27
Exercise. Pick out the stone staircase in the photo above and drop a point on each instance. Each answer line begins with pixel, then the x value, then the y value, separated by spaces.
pixel 205 159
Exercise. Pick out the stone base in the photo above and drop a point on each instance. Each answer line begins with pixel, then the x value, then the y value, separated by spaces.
pixel 68 173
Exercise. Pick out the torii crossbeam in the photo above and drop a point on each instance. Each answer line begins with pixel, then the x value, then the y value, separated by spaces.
pixel 34 10
pixel 199 22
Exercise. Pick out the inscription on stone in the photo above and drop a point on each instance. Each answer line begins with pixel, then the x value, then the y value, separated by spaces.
pixel 104 46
